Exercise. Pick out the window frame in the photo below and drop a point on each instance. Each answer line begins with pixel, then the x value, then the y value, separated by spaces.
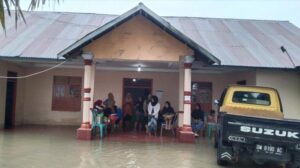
pixel 239 102
pixel 67 99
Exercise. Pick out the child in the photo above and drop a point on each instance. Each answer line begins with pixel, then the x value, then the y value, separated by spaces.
pixel 211 123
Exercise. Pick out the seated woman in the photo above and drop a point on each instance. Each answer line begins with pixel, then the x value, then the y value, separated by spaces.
pixel 98 105
pixel 168 114
pixel 197 119
pixel 153 110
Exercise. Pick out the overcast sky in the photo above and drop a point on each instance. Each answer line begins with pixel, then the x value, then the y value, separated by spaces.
pixel 242 9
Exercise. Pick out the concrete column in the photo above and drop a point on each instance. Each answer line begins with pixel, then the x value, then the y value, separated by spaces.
pixel 185 133
pixel 187 94
pixel 93 73
pixel 181 97
pixel 84 132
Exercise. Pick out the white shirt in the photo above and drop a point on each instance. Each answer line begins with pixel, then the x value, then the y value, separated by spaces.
pixel 155 109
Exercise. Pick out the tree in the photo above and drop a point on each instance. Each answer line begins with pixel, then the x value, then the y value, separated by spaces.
pixel 5 5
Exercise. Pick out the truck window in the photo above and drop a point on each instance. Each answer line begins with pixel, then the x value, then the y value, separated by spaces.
pixel 251 98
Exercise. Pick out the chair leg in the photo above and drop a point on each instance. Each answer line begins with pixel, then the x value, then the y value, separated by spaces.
pixel 173 131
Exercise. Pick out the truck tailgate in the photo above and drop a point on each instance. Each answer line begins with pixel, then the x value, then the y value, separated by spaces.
pixel 253 130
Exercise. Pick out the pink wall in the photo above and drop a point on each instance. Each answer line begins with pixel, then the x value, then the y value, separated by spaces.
pixel 112 81
pixel 38 90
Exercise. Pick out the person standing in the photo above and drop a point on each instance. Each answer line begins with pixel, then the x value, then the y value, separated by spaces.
pixel 211 123
pixel 145 107
pixel 127 112
pixel 139 114
pixel 197 119
pixel 153 111
pixel 110 103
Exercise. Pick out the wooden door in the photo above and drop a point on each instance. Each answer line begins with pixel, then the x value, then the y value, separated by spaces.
pixel 202 93
pixel 10 105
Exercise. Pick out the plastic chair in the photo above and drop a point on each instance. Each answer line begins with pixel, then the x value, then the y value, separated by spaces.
pixel 97 122
pixel 172 126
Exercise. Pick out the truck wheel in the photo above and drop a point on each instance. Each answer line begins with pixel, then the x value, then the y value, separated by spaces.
pixel 219 160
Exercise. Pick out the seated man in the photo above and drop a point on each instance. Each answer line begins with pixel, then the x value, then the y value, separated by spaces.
pixel 197 122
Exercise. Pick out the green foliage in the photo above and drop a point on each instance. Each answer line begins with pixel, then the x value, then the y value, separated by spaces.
pixel 18 13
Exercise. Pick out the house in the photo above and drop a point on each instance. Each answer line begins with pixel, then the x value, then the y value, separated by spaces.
pixel 68 60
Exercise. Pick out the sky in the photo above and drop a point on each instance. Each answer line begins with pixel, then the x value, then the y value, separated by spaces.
pixel 239 9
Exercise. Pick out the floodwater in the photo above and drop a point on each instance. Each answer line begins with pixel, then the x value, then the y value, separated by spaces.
pixel 57 147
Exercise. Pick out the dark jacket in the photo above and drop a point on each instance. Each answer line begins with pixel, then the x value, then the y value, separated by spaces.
pixel 168 110
pixel 198 114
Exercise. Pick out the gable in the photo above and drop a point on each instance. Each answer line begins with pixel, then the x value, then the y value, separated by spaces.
pixel 138 39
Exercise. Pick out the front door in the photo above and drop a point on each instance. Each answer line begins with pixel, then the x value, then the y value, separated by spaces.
pixel 137 88
pixel 11 92
pixel 202 93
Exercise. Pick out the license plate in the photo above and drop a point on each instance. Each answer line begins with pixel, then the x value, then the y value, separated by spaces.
pixel 269 149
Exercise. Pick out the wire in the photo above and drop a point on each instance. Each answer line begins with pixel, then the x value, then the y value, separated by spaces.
pixel 36 73
pixel 284 50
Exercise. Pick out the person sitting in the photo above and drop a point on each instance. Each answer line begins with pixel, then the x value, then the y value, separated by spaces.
pixel 98 105
pixel 153 110
pixel 127 112
pixel 168 114
pixel 197 119
pixel 211 123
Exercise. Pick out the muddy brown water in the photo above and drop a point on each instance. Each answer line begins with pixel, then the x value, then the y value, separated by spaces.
pixel 57 147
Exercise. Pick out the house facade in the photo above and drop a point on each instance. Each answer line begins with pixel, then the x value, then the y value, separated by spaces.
pixel 66 61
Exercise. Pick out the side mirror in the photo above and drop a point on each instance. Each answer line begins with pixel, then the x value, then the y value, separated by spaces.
pixel 216 102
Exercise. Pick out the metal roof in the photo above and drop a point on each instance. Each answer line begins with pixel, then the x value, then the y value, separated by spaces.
pixel 235 42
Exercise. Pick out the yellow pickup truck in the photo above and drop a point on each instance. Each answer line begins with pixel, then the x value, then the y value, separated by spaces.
pixel 251 123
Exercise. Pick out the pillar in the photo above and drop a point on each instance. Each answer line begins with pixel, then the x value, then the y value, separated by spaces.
pixel 93 73
pixel 84 132
pixel 180 96
pixel 185 132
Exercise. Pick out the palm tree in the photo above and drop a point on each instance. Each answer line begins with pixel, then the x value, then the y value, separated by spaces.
pixel 15 4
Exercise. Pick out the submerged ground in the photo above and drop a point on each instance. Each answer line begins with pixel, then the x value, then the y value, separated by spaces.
pixel 57 147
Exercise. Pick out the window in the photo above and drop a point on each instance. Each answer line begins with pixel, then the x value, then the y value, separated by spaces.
pixel 66 93
pixel 251 98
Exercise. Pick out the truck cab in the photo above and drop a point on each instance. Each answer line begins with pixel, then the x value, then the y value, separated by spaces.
pixel 251 101
pixel 251 122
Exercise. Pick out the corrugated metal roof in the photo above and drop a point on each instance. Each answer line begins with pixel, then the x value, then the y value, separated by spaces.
pixel 251 43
